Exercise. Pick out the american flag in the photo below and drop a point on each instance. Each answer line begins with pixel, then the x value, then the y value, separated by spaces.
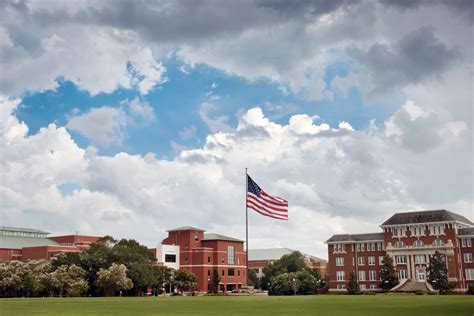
pixel 265 204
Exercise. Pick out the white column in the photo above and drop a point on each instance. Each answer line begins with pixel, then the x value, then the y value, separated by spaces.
pixel 408 266
pixel 413 268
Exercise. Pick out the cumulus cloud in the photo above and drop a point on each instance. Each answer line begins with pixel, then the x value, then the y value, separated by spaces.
pixel 104 125
pixel 140 108
pixel 348 182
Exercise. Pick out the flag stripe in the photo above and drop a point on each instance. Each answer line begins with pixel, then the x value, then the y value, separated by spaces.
pixel 276 203
pixel 268 215
pixel 276 198
pixel 261 203
pixel 280 213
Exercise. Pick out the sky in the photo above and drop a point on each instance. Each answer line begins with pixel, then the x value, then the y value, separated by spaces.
pixel 128 118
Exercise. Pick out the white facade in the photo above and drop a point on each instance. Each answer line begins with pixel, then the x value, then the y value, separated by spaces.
pixel 168 255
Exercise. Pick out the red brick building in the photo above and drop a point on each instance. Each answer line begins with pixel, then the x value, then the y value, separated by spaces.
pixel 31 244
pixel 410 239
pixel 261 258
pixel 201 253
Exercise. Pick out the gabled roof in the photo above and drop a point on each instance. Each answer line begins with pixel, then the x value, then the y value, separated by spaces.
pixel 355 237
pixel 425 217
pixel 466 231
pixel 184 228
pixel 20 229
pixel 14 242
pixel 210 236
pixel 274 254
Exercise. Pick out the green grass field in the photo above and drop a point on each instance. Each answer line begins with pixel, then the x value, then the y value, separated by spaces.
pixel 380 305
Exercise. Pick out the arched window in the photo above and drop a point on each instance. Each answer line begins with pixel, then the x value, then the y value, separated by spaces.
pixel 399 244
pixel 418 243
pixel 438 242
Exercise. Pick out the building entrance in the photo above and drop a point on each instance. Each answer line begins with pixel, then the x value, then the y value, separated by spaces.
pixel 421 275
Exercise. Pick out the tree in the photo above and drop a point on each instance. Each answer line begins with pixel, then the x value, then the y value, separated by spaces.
pixel 353 287
pixel 388 274
pixel 283 284
pixel 184 281
pixel 438 273
pixel 113 279
pixel 292 262
pixel 69 280
pixel 215 281
pixel 253 279
pixel 307 282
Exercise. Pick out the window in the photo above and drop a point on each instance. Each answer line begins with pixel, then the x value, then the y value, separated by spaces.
pixel 372 275
pixel 238 272
pixel 361 261
pixel 469 274
pixel 170 258
pixel 379 246
pixel 230 254
pixel 340 275
pixel 362 247
pixel 230 272
pixel 398 232
pixel 238 260
pixel 417 230
pixel 380 260
pixel 438 230
pixel 419 258
pixel 358 247
pixel 223 273
pixel 339 261
pixel 373 286
pixel 185 260
pixel 185 246
pixel 438 242
pixel 401 259
pixel 371 261
pixel 196 236
pixel 468 257
pixel 222 259
pixel 208 272
pixel 399 244
pixel 340 287
pixel 418 243
pixel 208 259
pixel 402 274
pixel 362 287
pixel 466 242
pixel 339 248
pixel 373 246
pixel 362 275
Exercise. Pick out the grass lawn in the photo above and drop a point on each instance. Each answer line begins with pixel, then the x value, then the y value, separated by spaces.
pixel 380 305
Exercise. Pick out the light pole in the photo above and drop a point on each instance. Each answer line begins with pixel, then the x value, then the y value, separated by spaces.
pixel 294 286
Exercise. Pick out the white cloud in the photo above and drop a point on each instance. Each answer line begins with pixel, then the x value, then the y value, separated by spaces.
pixel 140 108
pixel 149 73
pixel 335 182
pixel 104 125
pixel 188 133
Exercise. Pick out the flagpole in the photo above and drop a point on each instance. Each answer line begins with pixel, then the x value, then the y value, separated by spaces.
pixel 246 226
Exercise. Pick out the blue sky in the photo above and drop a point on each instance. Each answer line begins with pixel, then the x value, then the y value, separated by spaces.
pixel 177 103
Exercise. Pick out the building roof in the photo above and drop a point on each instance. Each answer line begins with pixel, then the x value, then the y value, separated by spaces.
pixel 20 229
pixel 466 231
pixel 425 217
pixel 355 237
pixel 210 236
pixel 14 242
pixel 274 254
pixel 185 228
